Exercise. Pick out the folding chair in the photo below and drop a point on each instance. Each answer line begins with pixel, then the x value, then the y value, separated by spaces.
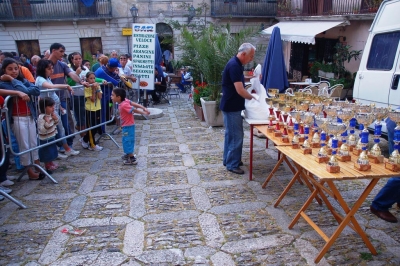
pixel 172 91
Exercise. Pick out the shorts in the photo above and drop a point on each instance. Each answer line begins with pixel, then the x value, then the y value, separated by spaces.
pixel 128 139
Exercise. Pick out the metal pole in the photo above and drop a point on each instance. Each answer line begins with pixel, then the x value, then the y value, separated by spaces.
pixel 127 42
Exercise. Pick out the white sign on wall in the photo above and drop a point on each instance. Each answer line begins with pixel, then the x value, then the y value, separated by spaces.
pixel 143 53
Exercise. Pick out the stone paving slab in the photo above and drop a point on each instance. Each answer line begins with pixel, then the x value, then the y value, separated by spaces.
pixel 180 206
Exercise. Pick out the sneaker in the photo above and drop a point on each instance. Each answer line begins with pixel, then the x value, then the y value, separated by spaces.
pixel 81 139
pixel 85 145
pixel 126 156
pixel 62 150
pixel 61 156
pixel 11 177
pixel 7 183
pixel 130 161
pixel 6 190
pixel 71 152
pixel 95 148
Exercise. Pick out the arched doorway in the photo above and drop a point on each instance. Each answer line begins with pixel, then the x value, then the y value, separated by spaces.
pixel 166 39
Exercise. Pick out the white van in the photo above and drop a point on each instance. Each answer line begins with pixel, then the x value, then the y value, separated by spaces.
pixel 377 79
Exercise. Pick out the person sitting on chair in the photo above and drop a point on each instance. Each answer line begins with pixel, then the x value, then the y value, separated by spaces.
pixel 160 85
pixel 185 81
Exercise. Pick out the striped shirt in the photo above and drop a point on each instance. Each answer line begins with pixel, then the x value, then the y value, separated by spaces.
pixel 46 130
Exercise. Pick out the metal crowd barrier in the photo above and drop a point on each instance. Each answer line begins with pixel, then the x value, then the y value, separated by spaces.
pixel 76 104
pixel 3 158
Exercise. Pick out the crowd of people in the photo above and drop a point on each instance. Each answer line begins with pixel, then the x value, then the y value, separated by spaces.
pixel 46 107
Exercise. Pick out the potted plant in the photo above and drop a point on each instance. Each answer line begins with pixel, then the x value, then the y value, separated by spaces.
pixel 201 90
pixel 343 54
pixel 208 50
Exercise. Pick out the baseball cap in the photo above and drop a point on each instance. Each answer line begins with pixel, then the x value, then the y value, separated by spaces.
pixel 113 62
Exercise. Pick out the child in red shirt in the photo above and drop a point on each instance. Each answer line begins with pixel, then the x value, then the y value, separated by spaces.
pixel 126 110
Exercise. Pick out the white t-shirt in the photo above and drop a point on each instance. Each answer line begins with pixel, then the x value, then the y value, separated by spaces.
pixel 83 73
pixel 130 64
pixel 45 93
pixel 125 71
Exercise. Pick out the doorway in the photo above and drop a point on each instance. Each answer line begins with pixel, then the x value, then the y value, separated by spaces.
pixel 166 38
pixel 28 48
pixel 90 46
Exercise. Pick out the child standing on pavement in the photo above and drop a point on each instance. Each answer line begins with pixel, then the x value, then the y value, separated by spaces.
pixel 126 110
pixel 47 130
pixel 93 95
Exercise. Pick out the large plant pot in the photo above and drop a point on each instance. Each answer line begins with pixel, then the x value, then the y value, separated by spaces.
pixel 212 118
pixel 199 112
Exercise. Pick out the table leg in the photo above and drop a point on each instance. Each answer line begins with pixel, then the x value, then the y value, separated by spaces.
pixel 273 171
pixel 292 169
pixel 305 206
pixel 308 184
pixel 251 153
pixel 297 177
pixel 349 217
pixel 348 220
pixel 283 194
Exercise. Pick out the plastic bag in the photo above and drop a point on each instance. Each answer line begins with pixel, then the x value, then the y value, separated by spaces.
pixel 257 109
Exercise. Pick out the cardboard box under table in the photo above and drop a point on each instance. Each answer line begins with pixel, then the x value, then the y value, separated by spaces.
pixel 317 175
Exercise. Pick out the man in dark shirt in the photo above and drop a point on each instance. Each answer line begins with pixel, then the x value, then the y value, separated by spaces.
pixel 232 104
pixel 60 72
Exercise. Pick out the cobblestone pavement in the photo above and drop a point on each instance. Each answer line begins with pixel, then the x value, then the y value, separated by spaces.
pixel 178 206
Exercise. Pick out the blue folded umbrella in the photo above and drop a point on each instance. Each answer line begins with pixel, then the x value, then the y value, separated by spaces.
pixel 274 71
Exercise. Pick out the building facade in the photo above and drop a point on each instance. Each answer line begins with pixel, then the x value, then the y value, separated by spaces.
pixel 30 26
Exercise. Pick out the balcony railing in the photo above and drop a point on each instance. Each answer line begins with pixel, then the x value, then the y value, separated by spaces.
pixel 326 7
pixel 243 8
pixel 45 10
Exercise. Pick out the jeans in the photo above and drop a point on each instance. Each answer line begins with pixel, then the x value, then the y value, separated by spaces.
pixel 233 142
pixel 390 126
pixel 64 120
pixel 388 195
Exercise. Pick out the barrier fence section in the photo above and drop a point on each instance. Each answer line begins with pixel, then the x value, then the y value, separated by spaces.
pixel 85 112
pixel 2 160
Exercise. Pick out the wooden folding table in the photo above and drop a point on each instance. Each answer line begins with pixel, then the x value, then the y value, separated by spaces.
pixel 316 174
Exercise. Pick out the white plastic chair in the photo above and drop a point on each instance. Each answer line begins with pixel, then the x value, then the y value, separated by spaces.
pixel 289 91
pixel 336 91
pixel 323 84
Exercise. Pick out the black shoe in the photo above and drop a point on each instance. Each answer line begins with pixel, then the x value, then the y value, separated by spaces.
pixel 237 171
pixel 384 215
pixel 240 164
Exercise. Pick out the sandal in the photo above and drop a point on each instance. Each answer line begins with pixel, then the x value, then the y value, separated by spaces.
pixel 51 167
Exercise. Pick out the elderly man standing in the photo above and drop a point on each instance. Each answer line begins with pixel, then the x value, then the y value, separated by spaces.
pixel 34 61
pixel 232 104
pixel 46 54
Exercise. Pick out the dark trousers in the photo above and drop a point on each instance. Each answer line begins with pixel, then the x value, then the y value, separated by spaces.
pixel 4 166
pixel 65 119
